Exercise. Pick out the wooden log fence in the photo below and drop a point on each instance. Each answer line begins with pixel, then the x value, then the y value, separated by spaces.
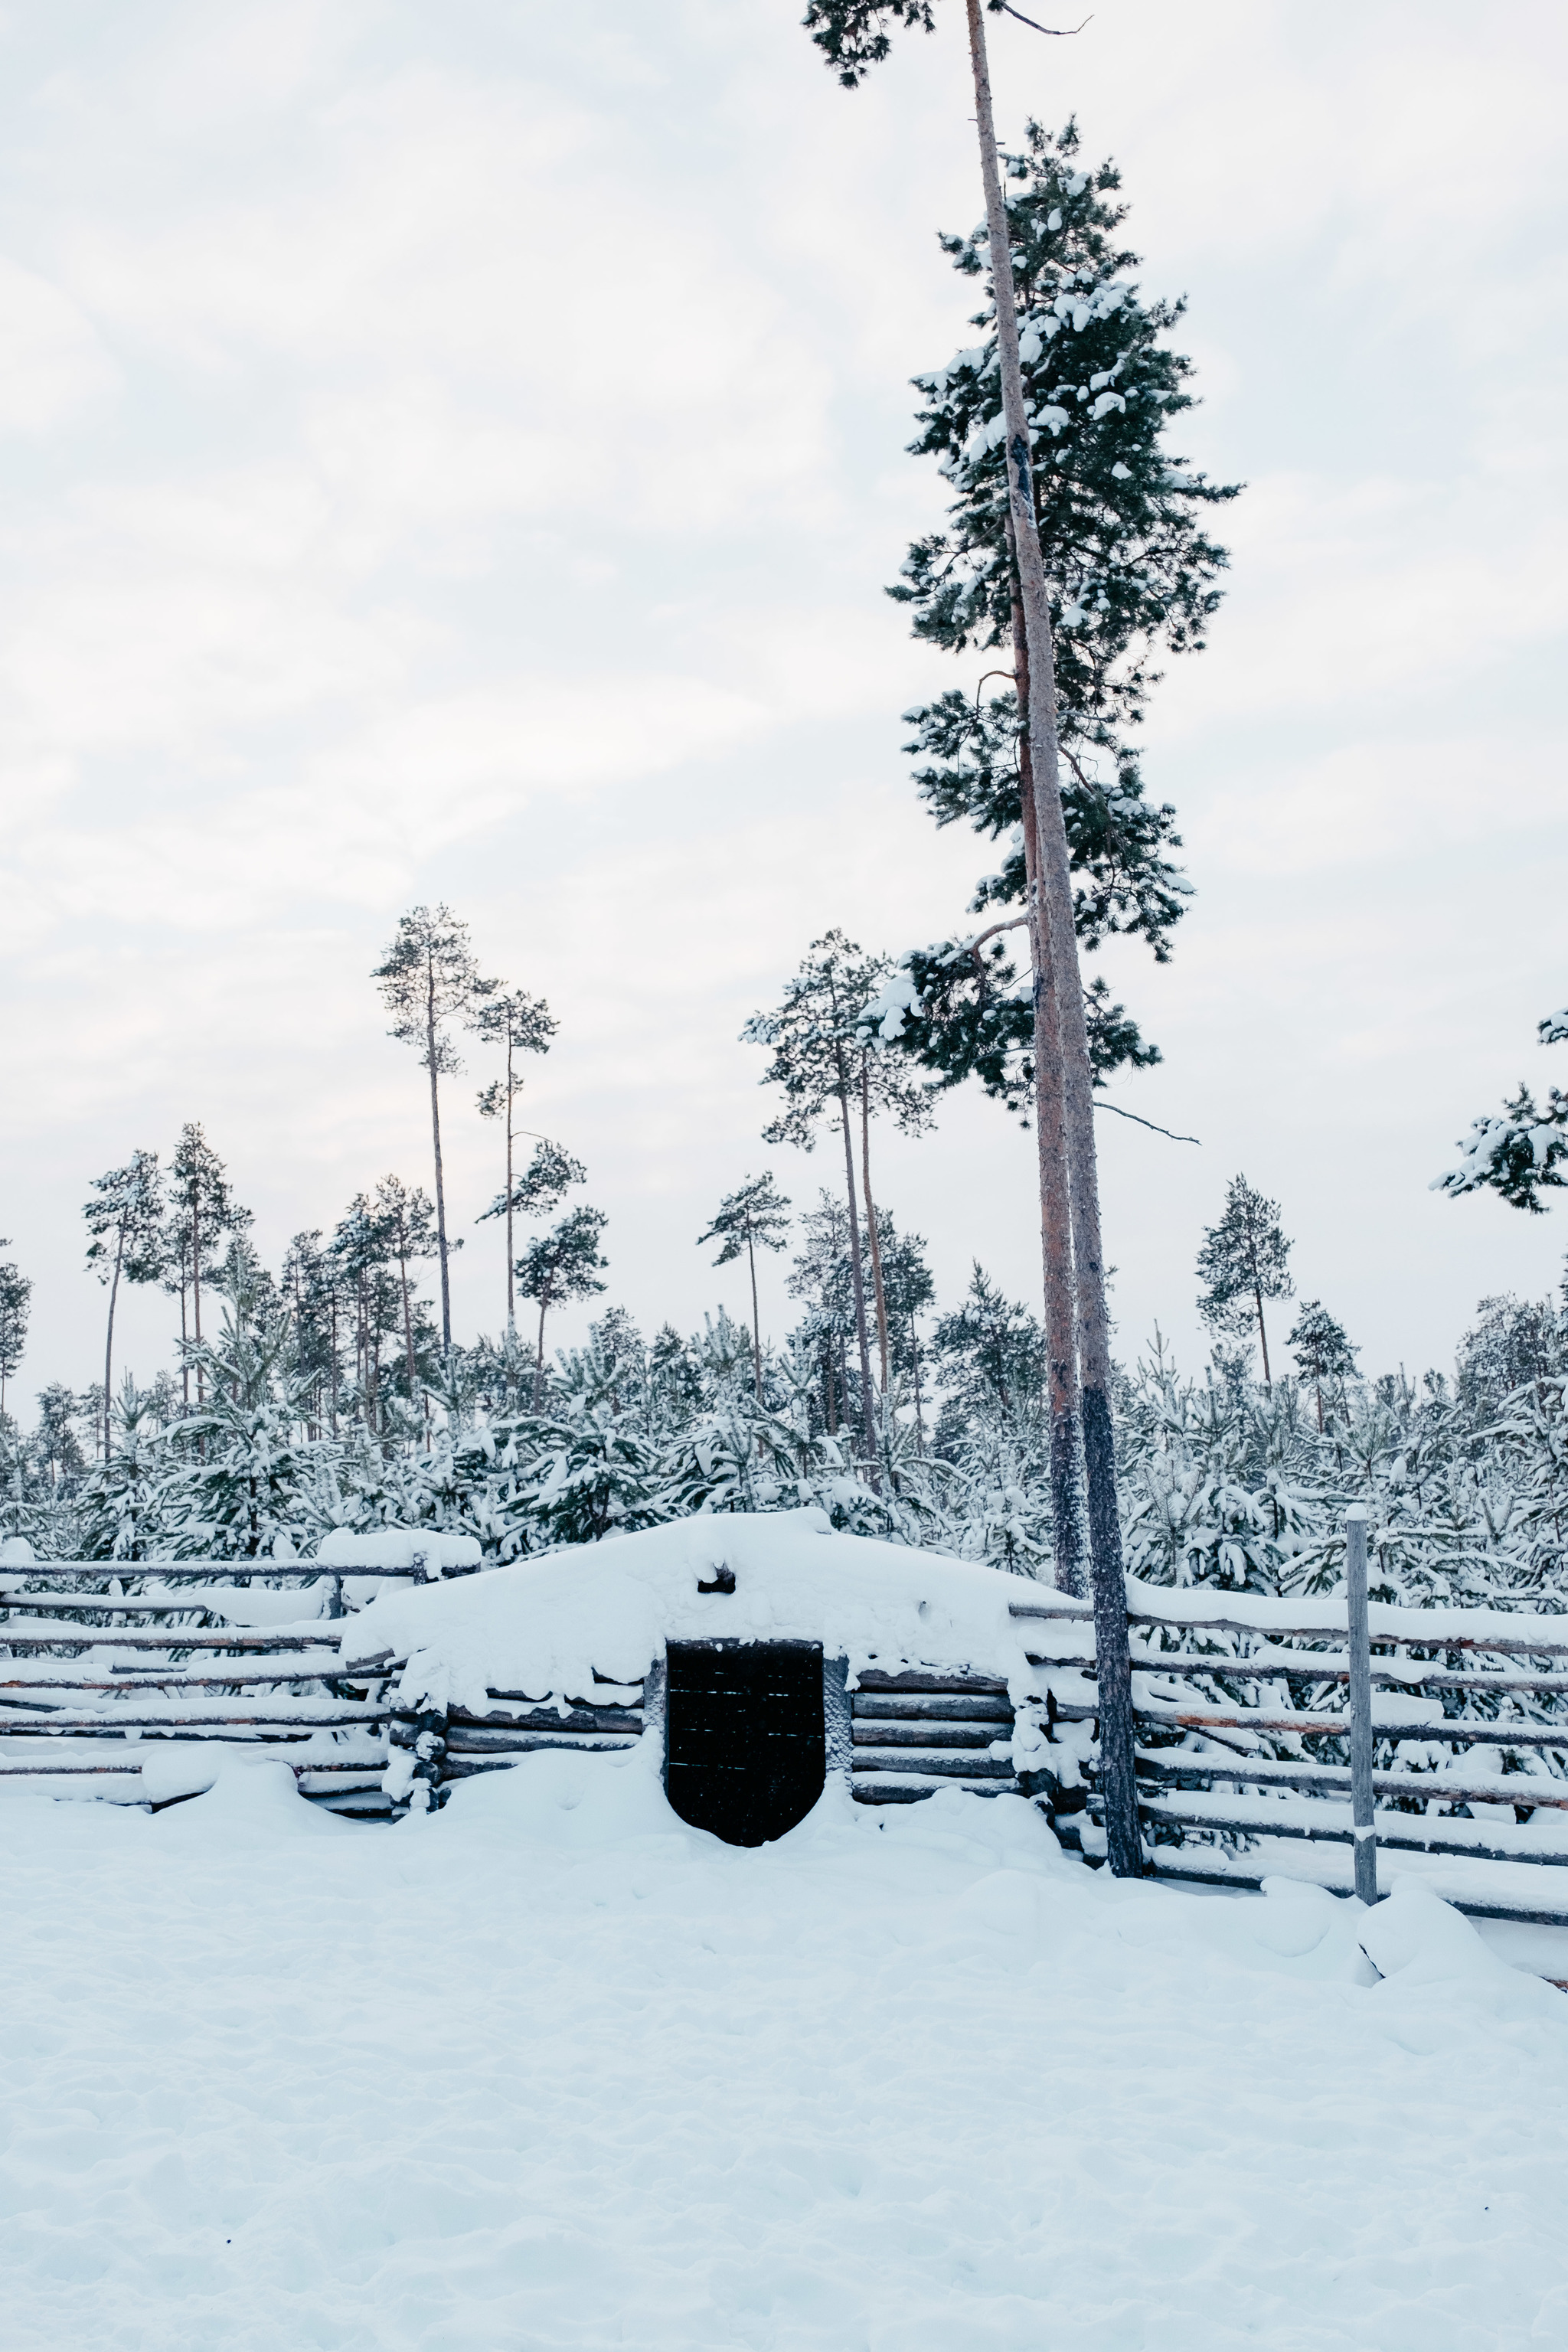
pixel 907 1733
pixel 1235 1732
pixel 162 1691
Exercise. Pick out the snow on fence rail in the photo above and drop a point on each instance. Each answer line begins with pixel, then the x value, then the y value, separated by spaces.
pixel 1222 1810
pixel 176 1691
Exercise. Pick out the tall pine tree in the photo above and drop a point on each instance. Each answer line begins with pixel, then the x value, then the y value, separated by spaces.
pixel 128 1244
pixel 519 1025
pixel 755 1216
pixel 853 35
pixel 559 1265
pixel 1242 1263
pixel 823 1060
pixel 430 979
pixel 203 1215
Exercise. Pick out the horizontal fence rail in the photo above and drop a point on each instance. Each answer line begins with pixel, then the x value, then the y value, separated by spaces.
pixel 162 1697
pixel 1211 1791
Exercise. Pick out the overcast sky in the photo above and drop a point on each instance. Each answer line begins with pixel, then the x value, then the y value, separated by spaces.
pixel 458 453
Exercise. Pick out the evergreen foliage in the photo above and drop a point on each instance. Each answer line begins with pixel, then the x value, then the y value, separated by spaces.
pixel 1132 573
pixel 1321 1349
pixel 1242 1263
pixel 559 1265
pixel 829 1061
pixel 16 1297
pixel 203 1215
pixel 125 1220
pixel 430 979
pixel 1520 1154
pixel 519 1023
pixel 756 1215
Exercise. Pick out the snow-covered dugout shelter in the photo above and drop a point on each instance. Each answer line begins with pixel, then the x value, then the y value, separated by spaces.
pixel 755 1654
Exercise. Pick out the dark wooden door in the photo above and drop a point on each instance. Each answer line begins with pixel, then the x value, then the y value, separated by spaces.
pixel 744 1745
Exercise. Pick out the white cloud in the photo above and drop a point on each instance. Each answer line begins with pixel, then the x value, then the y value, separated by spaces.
pixel 53 366
pixel 459 455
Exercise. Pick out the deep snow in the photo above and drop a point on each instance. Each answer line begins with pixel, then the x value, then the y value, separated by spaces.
pixel 552 2069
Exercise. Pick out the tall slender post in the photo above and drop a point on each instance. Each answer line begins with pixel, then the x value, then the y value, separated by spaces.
pixel 1361 1704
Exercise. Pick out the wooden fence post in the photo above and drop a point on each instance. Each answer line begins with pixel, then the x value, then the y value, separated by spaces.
pixel 1361 1819
pixel 430 1760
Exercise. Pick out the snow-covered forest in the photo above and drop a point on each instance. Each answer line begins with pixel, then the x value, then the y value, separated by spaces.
pixel 320 1397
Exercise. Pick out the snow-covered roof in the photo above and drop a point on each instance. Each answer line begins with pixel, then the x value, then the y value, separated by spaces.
pixel 561 1626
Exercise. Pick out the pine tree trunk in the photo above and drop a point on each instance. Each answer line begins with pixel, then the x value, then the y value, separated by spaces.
pixel 440 1207
pixel 871 1218
pixel 539 1360
pixel 756 1313
pixel 408 1330
pixel 1263 1335
pixel 108 1340
pixel 184 1341
pixel 510 1264
pixel 1114 1675
pixel 858 1272
pixel 1056 1210
pixel 196 1297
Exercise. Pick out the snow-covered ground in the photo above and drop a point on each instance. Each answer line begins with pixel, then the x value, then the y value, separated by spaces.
pixel 552 2069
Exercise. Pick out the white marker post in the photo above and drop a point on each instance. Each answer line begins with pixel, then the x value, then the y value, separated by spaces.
pixel 1361 1704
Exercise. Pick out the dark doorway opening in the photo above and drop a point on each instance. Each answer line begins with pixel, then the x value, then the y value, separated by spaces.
pixel 744 1745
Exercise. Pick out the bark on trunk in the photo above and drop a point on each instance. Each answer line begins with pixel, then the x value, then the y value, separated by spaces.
pixel 539 1359
pixel 866 1417
pixel 1115 1684
pixel 1263 1335
pixel 1056 1210
pixel 196 1297
pixel 871 1221
pixel 408 1328
pixel 440 1189
pixel 510 1261
pixel 756 1315
pixel 108 1340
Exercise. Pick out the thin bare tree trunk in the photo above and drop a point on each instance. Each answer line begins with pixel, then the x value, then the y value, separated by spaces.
pixel 511 1266
pixel 871 1219
pixel 1055 1209
pixel 109 1341
pixel 407 1330
pixel 539 1360
pixel 196 1294
pixel 1263 1335
pixel 756 1311
pixel 184 1341
pixel 1119 1787
pixel 866 1417
pixel 431 1058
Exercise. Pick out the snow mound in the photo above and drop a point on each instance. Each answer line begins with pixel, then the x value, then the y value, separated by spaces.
pixel 251 1800
pixel 566 1624
pixel 1420 1943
